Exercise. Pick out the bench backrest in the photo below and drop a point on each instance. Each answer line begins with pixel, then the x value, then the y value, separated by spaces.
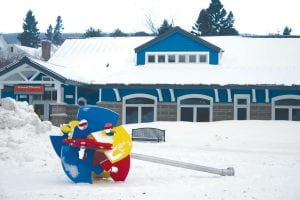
pixel 149 133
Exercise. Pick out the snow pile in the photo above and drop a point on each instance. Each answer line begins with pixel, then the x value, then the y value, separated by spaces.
pixel 23 136
pixel 264 154
pixel 19 114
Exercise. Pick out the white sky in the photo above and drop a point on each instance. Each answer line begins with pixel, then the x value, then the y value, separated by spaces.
pixel 251 16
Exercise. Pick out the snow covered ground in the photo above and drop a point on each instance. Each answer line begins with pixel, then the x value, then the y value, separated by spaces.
pixel 265 155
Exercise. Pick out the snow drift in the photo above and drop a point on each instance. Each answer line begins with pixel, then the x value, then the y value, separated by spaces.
pixel 23 136
pixel 264 154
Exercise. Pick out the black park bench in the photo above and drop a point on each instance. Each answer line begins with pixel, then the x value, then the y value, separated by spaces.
pixel 148 134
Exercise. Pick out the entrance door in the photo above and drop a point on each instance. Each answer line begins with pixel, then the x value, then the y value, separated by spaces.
pixel 39 110
pixel 42 103
pixel 42 110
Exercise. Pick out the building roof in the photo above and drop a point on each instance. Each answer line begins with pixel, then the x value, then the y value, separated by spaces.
pixel 55 71
pixel 181 31
pixel 90 60
pixel 109 60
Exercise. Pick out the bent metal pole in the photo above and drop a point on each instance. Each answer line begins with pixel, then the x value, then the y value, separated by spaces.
pixel 223 172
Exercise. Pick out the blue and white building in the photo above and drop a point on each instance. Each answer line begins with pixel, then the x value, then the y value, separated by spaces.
pixel 173 77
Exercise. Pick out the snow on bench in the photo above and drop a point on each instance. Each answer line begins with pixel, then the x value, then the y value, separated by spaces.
pixel 148 134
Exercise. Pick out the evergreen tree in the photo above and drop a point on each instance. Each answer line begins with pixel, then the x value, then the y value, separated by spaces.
pixel 57 35
pixel 287 31
pixel 165 27
pixel 91 32
pixel 214 21
pixel 227 27
pixel 49 33
pixel 30 35
pixel 202 24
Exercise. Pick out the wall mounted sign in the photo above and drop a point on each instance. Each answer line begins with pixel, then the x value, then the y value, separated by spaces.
pixel 28 89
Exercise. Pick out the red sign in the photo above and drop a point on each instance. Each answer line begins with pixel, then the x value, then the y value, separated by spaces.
pixel 29 89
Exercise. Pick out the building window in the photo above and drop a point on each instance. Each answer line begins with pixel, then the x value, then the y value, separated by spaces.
pixel 151 58
pixel 171 58
pixel 181 58
pixel 46 78
pixel 161 58
pixel 242 107
pixel 286 107
pixel 177 57
pixel 203 58
pixel 195 108
pixel 139 109
pixel 192 58
pixel 48 95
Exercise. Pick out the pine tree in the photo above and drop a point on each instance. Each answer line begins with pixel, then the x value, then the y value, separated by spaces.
pixel 30 36
pixel 165 27
pixel 57 35
pixel 287 30
pixel 49 33
pixel 202 24
pixel 214 21
pixel 227 27
pixel 91 32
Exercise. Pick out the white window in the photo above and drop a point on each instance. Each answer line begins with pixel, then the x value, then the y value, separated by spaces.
pixel 192 58
pixel 241 107
pixel 161 58
pixel 151 58
pixel 139 108
pixel 171 58
pixel 203 58
pixel 182 58
pixel 194 108
pixel 286 107
pixel 177 57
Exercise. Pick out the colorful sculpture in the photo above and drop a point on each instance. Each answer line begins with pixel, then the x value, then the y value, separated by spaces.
pixel 93 146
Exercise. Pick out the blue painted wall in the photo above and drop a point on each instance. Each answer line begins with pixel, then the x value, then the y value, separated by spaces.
pixel 241 91
pixel 223 97
pixel 183 43
pixel 181 92
pixel 125 92
pixel 260 96
pixel 278 92
pixel 166 95
pixel 7 91
pixel 91 94
pixel 39 77
pixel 69 90
pixel 108 95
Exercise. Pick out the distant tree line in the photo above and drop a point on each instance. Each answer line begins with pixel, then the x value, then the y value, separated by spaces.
pixel 212 21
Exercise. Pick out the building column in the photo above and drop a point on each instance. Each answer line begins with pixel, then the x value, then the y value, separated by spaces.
pixel 76 95
pixel 58 93
pixel 100 95
pixel 229 99
pixel 217 99
pixel 253 96
pixel 1 88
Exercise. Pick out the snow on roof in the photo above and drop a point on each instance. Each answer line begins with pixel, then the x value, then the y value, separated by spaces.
pixel 111 60
pixel 32 52
pixel 90 60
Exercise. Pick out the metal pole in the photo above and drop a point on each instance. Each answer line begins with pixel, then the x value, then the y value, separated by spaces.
pixel 223 172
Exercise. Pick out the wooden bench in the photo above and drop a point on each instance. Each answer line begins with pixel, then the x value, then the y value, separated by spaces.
pixel 148 134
